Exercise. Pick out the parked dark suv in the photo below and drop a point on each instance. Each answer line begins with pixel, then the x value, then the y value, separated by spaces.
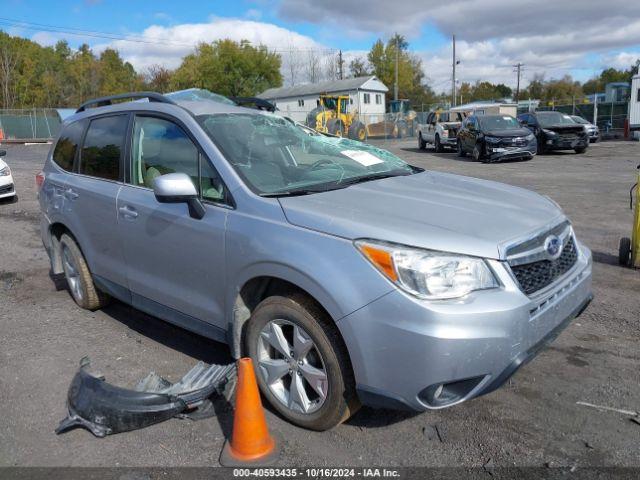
pixel 555 131
pixel 492 138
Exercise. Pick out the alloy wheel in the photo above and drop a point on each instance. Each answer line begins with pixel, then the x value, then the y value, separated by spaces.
pixel 71 273
pixel 292 367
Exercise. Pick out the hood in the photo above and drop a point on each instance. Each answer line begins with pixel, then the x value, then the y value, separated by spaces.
pixel 437 211
pixel 514 132
pixel 566 128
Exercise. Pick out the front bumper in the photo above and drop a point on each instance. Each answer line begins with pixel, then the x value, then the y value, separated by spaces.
pixel 556 143
pixel 7 188
pixel 449 141
pixel 413 354
pixel 497 153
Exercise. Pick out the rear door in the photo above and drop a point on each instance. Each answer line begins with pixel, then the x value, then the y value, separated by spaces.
pixel 173 260
pixel 91 196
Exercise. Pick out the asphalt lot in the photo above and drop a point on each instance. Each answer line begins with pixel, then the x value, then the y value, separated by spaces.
pixel 532 421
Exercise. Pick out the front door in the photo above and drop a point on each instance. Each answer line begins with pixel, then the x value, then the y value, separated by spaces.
pixel 173 260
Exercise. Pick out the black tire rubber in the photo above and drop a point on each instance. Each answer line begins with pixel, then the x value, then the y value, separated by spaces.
pixel 421 143
pixel 437 145
pixel 402 130
pixel 580 149
pixel 312 117
pixel 624 251
pixel 341 401
pixel 476 154
pixel 92 298
pixel 540 150
pixel 335 127
pixel 357 131
pixel 14 199
pixel 460 151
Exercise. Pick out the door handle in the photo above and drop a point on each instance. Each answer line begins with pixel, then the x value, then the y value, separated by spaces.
pixel 128 212
pixel 71 194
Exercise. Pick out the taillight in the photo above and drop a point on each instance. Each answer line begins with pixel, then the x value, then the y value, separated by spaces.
pixel 39 180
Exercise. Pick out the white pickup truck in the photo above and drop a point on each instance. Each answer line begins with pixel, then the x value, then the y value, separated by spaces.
pixel 440 130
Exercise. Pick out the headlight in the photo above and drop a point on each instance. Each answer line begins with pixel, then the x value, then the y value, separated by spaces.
pixel 551 133
pixel 5 172
pixel 530 137
pixel 428 274
pixel 445 133
pixel 492 139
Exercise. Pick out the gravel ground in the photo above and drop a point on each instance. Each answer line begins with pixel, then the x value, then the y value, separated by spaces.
pixel 532 421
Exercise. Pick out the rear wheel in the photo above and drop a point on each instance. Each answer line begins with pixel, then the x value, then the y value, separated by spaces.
pixel 624 252
pixel 335 127
pixel 437 145
pixel 402 130
pixel 421 143
pixel 460 150
pixel 301 362
pixel 79 280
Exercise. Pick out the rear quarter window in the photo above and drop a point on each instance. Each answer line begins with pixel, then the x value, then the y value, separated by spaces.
pixel 102 147
pixel 64 153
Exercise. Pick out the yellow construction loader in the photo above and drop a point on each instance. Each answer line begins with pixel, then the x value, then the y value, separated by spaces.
pixel 332 116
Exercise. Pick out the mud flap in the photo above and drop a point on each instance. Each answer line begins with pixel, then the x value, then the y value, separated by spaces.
pixel 104 409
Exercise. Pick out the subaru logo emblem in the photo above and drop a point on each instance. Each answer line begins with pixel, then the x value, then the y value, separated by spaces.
pixel 553 246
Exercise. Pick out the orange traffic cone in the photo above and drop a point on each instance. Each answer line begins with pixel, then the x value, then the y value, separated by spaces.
pixel 1 134
pixel 251 444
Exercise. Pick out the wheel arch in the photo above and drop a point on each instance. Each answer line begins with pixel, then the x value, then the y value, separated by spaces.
pixel 255 288
pixel 56 230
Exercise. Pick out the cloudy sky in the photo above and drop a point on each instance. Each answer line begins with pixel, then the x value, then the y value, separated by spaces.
pixel 551 37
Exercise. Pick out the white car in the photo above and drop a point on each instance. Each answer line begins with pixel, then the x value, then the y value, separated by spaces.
pixel 440 130
pixel 7 189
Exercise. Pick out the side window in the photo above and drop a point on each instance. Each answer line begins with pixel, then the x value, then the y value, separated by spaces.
pixel 102 147
pixel 65 152
pixel 430 118
pixel 160 146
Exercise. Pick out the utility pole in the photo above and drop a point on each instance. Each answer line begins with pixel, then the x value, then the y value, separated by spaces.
pixel 453 79
pixel 518 68
pixel 395 85
pixel 340 63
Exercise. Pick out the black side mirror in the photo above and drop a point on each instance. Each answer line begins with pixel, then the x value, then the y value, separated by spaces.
pixel 178 188
pixel 3 153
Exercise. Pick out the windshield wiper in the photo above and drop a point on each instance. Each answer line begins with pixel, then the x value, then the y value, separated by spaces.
pixel 373 176
pixel 296 192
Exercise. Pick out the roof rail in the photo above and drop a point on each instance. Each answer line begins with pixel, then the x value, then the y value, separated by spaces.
pixel 103 101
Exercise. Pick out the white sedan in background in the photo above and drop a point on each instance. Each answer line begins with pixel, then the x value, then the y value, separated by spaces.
pixel 7 189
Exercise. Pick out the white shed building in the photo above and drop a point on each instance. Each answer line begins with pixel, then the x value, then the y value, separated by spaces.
pixel 366 96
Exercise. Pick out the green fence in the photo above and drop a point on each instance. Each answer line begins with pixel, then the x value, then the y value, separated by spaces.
pixel 33 124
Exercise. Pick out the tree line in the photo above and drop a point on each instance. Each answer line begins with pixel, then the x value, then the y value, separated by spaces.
pixel 32 75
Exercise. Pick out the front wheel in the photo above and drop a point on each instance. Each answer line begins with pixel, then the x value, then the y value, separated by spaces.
pixel 580 149
pixel 477 153
pixel 301 362
pixel 624 252
pixel 421 143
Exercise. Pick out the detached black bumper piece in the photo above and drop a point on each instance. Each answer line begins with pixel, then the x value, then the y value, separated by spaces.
pixel 104 409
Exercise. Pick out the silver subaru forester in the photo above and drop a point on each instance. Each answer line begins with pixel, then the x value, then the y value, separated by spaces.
pixel 347 275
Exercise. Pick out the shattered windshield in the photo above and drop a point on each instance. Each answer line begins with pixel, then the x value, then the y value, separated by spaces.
pixel 549 119
pixel 275 157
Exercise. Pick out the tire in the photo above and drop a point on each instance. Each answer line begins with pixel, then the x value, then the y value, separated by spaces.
pixel 624 252
pixel 540 150
pixel 401 130
pixel 437 145
pixel 580 150
pixel 298 311
pixel 312 117
pixel 79 280
pixel 357 131
pixel 477 153
pixel 335 127
pixel 14 199
pixel 421 143
pixel 461 152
